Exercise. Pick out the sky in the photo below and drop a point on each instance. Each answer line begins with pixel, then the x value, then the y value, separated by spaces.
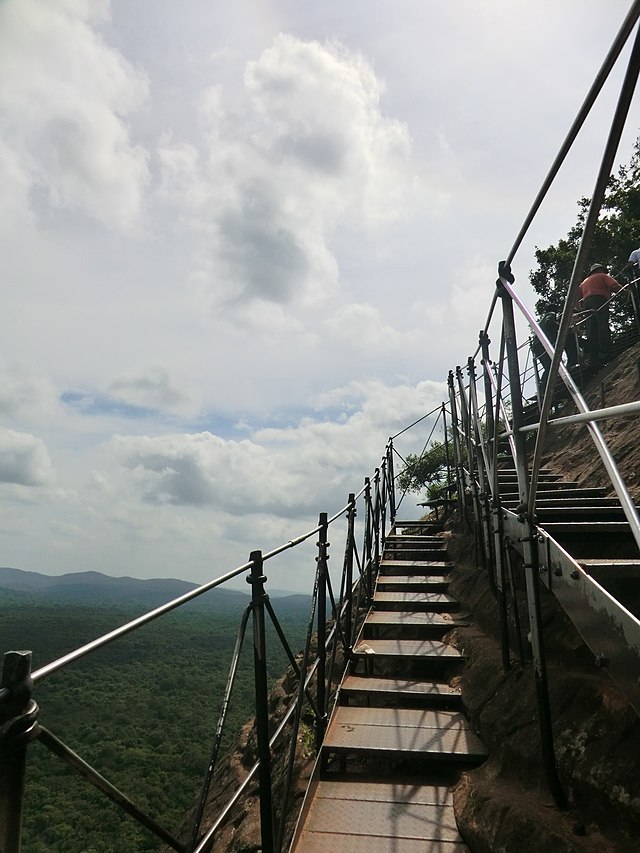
pixel 243 244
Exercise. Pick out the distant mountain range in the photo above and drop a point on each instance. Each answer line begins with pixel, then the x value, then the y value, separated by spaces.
pixel 94 588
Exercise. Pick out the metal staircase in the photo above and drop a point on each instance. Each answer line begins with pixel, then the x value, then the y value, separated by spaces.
pixel 398 736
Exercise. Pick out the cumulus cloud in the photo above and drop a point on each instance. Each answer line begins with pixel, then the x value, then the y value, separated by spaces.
pixel 308 146
pixel 153 389
pixel 203 469
pixel 22 393
pixel 64 96
pixel 24 459
pixel 284 471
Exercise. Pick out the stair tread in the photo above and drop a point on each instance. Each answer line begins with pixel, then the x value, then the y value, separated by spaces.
pixel 403 732
pixel 432 649
pixel 413 617
pixel 375 817
pixel 370 684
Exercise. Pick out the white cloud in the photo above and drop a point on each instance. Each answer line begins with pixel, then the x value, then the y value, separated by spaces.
pixel 307 147
pixel 23 393
pixel 285 471
pixel 155 388
pixel 24 460
pixel 64 96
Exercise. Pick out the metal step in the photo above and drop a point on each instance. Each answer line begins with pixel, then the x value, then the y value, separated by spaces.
pixel 431 650
pixel 563 492
pixel 435 602
pixel 362 816
pixel 594 539
pixel 551 502
pixel 579 513
pixel 432 692
pixel 607 569
pixel 413 554
pixel 403 733
pixel 416 622
pixel 417 567
pixel 430 583
pixel 413 539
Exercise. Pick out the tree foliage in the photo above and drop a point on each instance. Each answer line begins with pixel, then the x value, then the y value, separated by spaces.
pixel 616 234
pixel 428 471
pixel 143 711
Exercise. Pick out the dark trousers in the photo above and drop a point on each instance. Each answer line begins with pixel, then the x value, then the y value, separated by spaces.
pixel 598 332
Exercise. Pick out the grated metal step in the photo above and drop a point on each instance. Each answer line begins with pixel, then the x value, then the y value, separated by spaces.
pixel 413 618
pixel 407 649
pixel 428 583
pixel 403 733
pixel 433 692
pixel 434 601
pixel 416 567
pixel 377 817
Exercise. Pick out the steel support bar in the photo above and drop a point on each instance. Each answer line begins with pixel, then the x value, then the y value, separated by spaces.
pixel 604 173
pixel 624 410
pixel 257 580
pixel 351 520
pixel 215 749
pixel 457 452
pixel 17 724
pixel 530 548
pixel 57 747
pixel 321 685
pixel 391 478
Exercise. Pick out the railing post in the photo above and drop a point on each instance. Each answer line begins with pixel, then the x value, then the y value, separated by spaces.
pixel 392 478
pixel 457 451
pixel 473 483
pixel 18 721
pixel 530 550
pixel 351 520
pixel 483 468
pixel 383 500
pixel 496 507
pixel 367 536
pixel 321 687
pixel 376 519
pixel 257 580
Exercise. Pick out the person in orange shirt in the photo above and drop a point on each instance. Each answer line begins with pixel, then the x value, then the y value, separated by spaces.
pixel 594 294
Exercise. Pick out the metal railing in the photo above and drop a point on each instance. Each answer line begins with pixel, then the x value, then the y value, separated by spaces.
pixel 490 432
pixel 337 607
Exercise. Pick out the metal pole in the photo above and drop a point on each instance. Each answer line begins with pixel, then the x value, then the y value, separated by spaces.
pixel 455 431
pixel 351 518
pixel 530 549
pixel 376 519
pixel 321 690
pixel 367 536
pixel 383 500
pixel 17 718
pixel 392 487
pixel 257 580
pixel 496 510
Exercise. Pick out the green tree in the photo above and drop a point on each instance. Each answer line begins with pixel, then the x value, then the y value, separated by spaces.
pixel 616 234
pixel 429 470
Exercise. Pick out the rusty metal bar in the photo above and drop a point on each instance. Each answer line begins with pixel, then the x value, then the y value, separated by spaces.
pixel 257 580
pixel 57 747
pixel 321 687
pixel 215 749
pixel 18 713
pixel 529 541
